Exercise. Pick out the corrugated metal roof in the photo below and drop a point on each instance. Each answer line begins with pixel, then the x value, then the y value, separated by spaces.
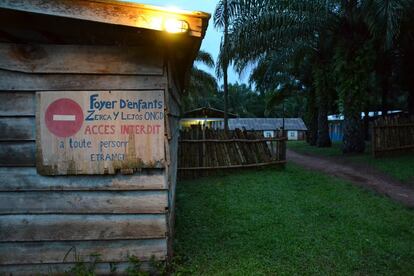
pixel 267 123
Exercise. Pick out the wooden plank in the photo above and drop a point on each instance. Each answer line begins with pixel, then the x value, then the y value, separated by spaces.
pixel 253 165
pixel 133 202
pixel 403 125
pixel 172 179
pixel 26 179
pixel 81 59
pixel 17 103
pixel 17 128
pixel 81 227
pixel 48 82
pixel 64 252
pixel 17 153
pixel 232 140
pixel 62 269
pixel 117 13
pixel 407 147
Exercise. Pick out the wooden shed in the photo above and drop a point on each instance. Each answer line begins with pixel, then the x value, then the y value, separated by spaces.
pixel 89 113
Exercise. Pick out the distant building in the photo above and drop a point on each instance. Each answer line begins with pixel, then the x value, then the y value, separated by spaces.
pixel 295 128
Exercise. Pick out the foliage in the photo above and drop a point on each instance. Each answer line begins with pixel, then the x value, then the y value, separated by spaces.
pixel 134 267
pixel 81 267
pixel 293 223
pixel 241 100
pixel 203 85
pixel 88 268
pixel 340 56
pixel 353 70
pixel 280 38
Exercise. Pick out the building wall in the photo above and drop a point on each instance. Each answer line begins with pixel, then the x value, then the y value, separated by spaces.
pixel 336 132
pixel 301 135
pixel 45 218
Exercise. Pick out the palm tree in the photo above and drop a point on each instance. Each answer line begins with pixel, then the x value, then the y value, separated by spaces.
pixel 287 52
pixel 221 20
pixel 202 85
pixel 266 28
pixel 406 57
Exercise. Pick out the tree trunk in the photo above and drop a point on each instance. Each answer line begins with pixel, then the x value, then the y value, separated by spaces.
pixel 385 74
pixel 366 125
pixel 225 67
pixel 410 98
pixel 353 140
pixel 411 102
pixel 226 101
pixel 314 128
pixel 312 118
pixel 323 139
pixel 409 69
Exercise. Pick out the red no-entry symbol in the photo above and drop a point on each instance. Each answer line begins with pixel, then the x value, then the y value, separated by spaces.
pixel 64 117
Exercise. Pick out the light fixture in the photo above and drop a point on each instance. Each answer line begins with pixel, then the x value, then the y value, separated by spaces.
pixel 174 26
pixel 156 23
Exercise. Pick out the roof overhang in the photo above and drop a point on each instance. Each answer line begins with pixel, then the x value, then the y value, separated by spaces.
pixel 100 22
pixel 113 12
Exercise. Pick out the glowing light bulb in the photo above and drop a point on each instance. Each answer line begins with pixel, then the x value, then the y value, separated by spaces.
pixel 156 23
pixel 174 26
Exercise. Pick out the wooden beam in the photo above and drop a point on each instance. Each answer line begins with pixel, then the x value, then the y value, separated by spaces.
pixel 27 179
pixel 51 82
pixel 132 202
pixel 62 269
pixel 64 252
pixel 234 166
pixel 17 103
pixel 233 140
pixel 17 154
pixel 112 12
pixel 407 147
pixel 81 59
pixel 81 227
pixel 17 128
pixel 395 125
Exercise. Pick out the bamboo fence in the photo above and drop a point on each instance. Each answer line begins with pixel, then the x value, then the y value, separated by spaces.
pixel 204 152
pixel 392 134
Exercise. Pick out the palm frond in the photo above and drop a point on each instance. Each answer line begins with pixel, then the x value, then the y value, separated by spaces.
pixel 384 18
pixel 205 58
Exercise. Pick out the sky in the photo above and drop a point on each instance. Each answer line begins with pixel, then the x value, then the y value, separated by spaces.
pixel 211 42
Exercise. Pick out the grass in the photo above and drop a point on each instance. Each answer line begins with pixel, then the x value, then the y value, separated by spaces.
pixel 399 167
pixel 295 222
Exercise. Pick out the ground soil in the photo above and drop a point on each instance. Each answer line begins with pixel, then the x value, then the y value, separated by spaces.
pixel 361 175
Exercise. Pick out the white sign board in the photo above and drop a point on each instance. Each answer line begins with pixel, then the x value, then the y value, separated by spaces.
pixel 99 132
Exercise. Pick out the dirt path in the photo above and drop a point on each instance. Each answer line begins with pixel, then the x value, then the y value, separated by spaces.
pixel 359 175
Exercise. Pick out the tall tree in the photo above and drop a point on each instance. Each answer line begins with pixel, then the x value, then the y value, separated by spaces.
pixel 203 85
pixel 221 20
pixel 262 28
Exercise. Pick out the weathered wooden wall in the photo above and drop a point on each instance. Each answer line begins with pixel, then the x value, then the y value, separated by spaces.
pixel 43 218
pixel 172 136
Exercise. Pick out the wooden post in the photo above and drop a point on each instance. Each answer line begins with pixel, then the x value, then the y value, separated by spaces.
pixel 373 141
pixel 203 130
